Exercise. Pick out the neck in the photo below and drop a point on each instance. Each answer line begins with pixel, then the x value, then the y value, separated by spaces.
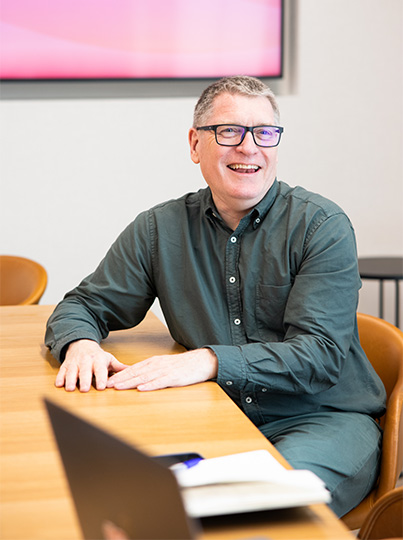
pixel 232 222
pixel 231 216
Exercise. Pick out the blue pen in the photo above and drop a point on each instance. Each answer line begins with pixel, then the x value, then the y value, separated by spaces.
pixel 186 464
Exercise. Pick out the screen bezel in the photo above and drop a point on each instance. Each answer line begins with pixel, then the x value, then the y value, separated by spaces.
pixel 189 81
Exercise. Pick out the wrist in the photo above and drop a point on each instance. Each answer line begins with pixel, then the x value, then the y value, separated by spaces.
pixel 79 343
pixel 213 362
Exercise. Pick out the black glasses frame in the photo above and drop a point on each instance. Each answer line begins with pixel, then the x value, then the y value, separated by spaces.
pixel 246 129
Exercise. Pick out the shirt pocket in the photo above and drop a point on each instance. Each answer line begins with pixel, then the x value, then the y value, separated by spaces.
pixel 271 301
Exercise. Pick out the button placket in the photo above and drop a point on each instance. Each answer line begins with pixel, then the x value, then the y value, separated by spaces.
pixel 234 301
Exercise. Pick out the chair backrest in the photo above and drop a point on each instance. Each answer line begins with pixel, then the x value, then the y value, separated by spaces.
pixel 383 345
pixel 385 520
pixel 22 281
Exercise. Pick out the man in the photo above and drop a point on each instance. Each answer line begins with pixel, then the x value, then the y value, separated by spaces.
pixel 259 281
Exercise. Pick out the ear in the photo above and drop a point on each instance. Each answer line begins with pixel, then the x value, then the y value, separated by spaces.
pixel 194 142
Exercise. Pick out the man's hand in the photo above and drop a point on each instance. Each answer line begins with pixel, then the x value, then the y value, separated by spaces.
pixel 169 370
pixel 85 359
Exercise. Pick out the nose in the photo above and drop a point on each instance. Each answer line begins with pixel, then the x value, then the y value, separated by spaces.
pixel 248 145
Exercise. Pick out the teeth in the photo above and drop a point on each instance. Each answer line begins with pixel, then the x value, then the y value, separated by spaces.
pixel 242 166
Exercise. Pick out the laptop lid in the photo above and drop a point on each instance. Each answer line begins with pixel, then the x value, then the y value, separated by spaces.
pixel 113 482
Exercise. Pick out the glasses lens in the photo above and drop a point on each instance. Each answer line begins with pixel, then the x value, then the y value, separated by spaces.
pixel 229 134
pixel 267 135
pixel 232 135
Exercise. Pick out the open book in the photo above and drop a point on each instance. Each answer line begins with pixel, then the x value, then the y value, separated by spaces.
pixel 246 482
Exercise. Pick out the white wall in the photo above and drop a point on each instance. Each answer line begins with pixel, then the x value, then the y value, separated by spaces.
pixel 74 172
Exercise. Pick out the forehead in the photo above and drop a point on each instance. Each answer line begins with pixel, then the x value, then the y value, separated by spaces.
pixel 240 109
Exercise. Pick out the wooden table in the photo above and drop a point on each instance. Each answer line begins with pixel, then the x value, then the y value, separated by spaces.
pixel 35 503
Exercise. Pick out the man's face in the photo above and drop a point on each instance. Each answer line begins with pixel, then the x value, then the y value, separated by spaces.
pixel 235 187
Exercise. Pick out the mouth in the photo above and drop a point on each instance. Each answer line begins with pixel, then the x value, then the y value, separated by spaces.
pixel 243 168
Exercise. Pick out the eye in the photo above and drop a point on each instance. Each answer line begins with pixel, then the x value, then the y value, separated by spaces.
pixel 229 131
pixel 266 132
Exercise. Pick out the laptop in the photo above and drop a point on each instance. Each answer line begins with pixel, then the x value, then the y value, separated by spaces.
pixel 113 482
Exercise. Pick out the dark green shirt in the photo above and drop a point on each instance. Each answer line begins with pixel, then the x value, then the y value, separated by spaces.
pixel 275 299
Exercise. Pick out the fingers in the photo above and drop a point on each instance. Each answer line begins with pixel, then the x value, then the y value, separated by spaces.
pixel 101 372
pixel 84 361
pixel 151 374
pixel 60 378
pixel 116 366
pixel 72 373
pixel 165 371
pixel 125 379
pixel 101 377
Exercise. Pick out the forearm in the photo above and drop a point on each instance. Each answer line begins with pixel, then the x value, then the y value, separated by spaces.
pixel 116 296
pixel 71 321
pixel 304 365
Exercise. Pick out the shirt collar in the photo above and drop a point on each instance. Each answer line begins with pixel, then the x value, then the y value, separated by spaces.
pixel 208 205
pixel 261 209
pixel 256 215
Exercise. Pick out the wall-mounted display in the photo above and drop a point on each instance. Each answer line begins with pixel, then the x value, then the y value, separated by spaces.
pixel 140 39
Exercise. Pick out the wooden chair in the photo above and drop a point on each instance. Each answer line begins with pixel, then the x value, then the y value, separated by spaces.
pixel 383 345
pixel 385 520
pixel 22 281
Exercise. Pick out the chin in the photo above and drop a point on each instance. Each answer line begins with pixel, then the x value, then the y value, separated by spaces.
pixel 250 193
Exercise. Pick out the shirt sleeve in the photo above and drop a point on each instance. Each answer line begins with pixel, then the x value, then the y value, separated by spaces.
pixel 319 320
pixel 116 296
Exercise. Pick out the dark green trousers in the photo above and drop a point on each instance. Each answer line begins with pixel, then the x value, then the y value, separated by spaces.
pixel 342 448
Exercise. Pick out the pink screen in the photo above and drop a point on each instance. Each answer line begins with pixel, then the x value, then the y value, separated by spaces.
pixel 126 39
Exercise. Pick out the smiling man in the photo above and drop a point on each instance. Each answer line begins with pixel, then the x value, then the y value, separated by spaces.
pixel 259 282
pixel 239 164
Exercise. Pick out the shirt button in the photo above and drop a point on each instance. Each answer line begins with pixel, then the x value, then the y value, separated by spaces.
pixel 257 220
pixel 232 279
pixel 233 239
pixel 228 383
pixel 264 389
pixel 248 400
pixel 237 322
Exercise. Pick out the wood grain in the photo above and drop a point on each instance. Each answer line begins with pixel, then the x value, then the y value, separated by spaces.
pixel 35 503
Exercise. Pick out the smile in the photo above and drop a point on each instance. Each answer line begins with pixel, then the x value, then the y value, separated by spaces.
pixel 241 167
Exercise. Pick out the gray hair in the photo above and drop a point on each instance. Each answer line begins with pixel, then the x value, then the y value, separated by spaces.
pixel 240 84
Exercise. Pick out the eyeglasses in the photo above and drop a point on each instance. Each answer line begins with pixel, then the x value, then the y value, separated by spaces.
pixel 233 134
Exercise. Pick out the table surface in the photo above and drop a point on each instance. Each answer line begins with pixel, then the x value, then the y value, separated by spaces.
pixel 35 503
pixel 381 267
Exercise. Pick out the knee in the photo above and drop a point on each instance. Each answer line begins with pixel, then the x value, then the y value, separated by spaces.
pixel 351 490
